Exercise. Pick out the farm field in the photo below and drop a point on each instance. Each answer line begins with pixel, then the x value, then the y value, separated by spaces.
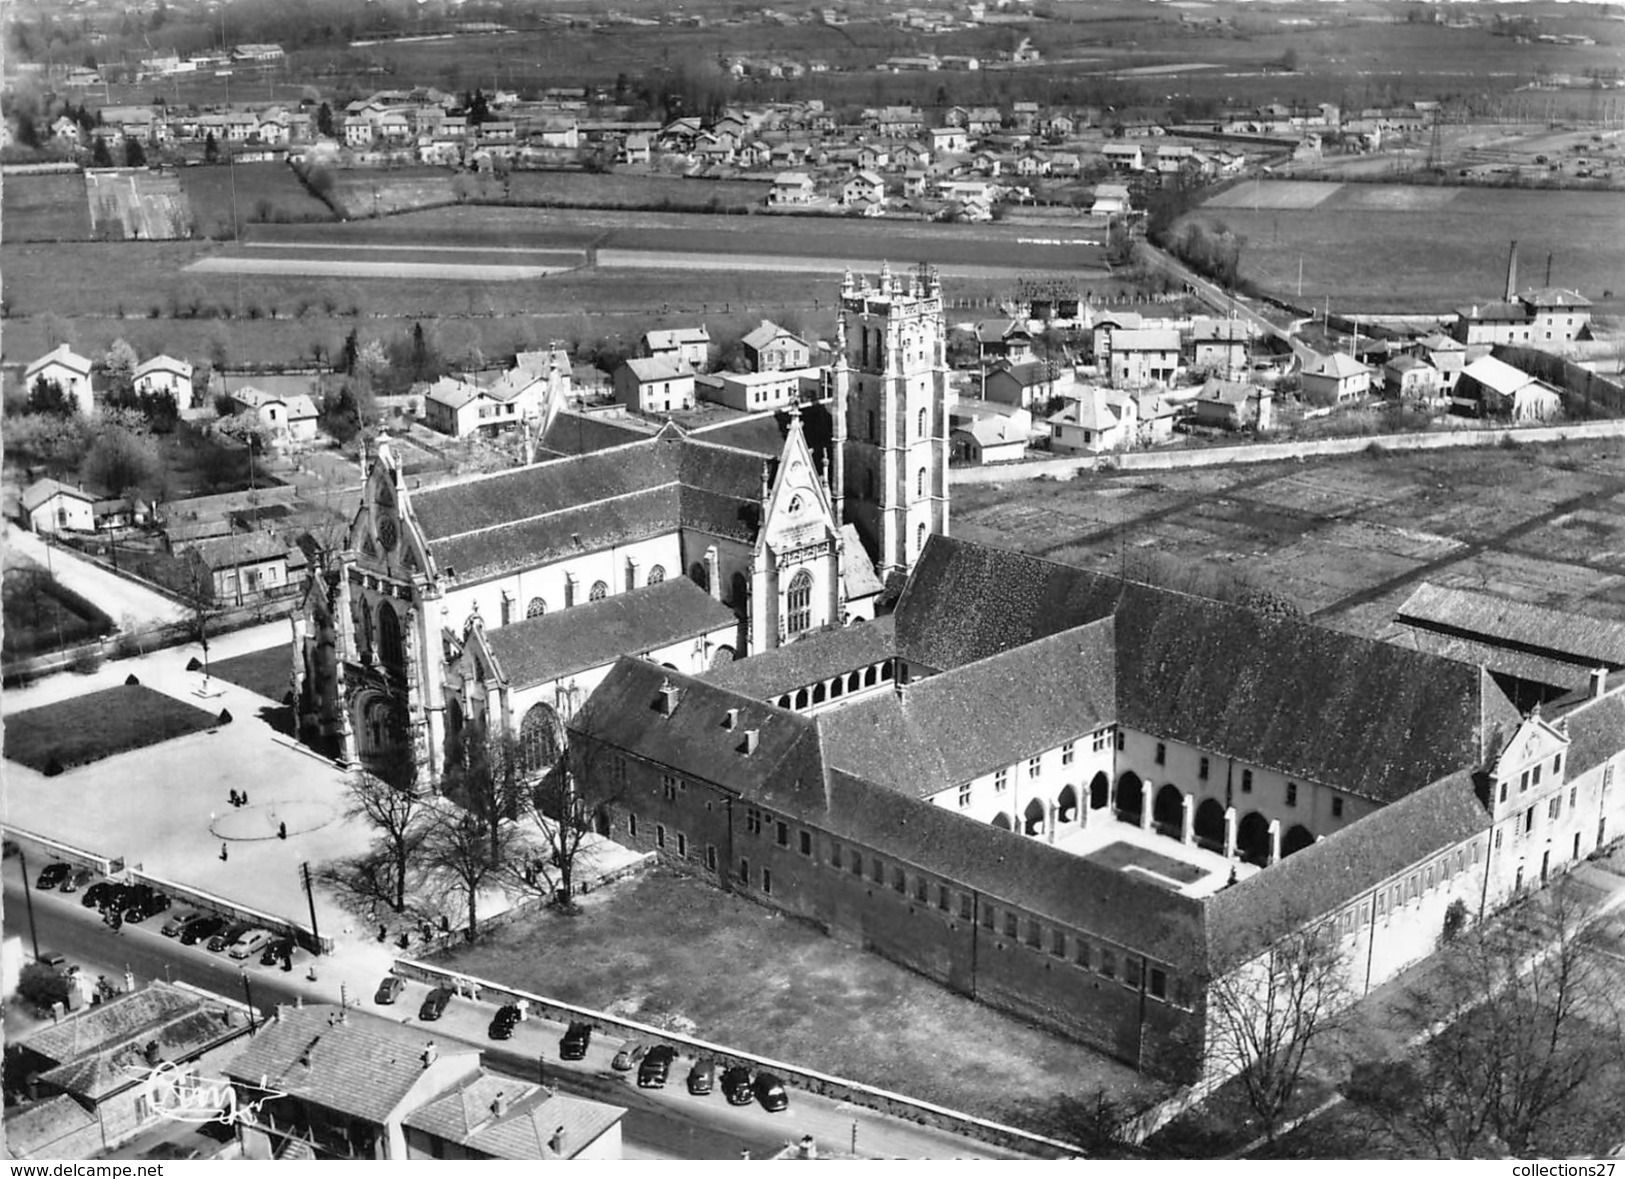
pixel 45 208
pixel 1346 539
pixel 264 192
pixel 1399 248
pixel 134 204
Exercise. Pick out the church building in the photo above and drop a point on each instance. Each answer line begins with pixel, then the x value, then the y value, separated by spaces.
pixel 503 599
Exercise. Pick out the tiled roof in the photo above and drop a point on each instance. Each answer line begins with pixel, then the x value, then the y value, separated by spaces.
pixel 1095 410
pixel 1501 661
pixel 163 364
pixel 996 331
pixel 573 433
pixel 1494 313
pixel 539 650
pixel 42 491
pixel 765 333
pixel 993 431
pixel 953 727
pixel 664 367
pixel 1030 874
pixel 1594 729
pixel 1335 364
pixel 32 1130
pixel 764 433
pixel 227 552
pixel 1029 373
pixel 807 661
pixel 1563 635
pixel 363 1067
pixel 467 1116
pixel 62 355
pixel 1245 917
pixel 587 525
pixel 1119 320
pixel 1496 375
pixel 785 769
pixel 453 392
pixel 1225 392
pixel 666 340
pixel 1554 297
pixel 1206 329
pixel 1145 340
pixel 1367 717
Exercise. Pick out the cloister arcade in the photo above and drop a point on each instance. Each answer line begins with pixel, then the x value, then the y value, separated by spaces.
pixel 1165 810
pixel 852 683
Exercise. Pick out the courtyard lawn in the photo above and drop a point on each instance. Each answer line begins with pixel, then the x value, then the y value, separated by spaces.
pixel 41 614
pixel 88 728
pixel 265 672
pixel 674 951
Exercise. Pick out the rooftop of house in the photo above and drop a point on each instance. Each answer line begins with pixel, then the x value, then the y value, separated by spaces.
pixel 766 332
pixel 1553 298
pixel 162 363
pixel 242 548
pixel 664 367
pixel 594 634
pixel 1145 340
pixel 501 1117
pixel 1335 364
pixel 1496 375
pixel 60 355
pixel 1223 392
pixel 1494 313
pixel 667 339
pixel 42 491
pixel 352 1062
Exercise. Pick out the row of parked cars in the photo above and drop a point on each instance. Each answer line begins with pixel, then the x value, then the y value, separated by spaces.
pixel 739 1085
pixel 134 903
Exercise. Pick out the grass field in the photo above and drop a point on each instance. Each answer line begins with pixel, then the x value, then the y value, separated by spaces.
pixel 674 951
pixel 45 208
pixel 40 614
pixel 265 672
pixel 88 728
pixel 264 192
pixel 1397 248
pixel 1346 539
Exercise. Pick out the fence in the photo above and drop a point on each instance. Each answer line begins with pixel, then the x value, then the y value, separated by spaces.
pixel 1274 452
pixel 882 1100
pixel 1585 393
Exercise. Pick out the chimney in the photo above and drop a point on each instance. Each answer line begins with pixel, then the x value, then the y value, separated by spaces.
pixel 753 738
pixel 430 1054
pixel 1599 681
pixel 1512 272
pixel 556 1143
pixel 153 1055
pixel 668 698
pixel 499 1107
pixel 732 720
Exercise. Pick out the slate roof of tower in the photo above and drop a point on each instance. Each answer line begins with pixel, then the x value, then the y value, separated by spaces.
pixel 538 650
pixel 953 727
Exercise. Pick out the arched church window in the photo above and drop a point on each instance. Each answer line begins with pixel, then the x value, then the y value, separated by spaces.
pixel 922 423
pixel 390 651
pixel 540 737
pixel 919 482
pixel 919 538
pixel 598 593
pixel 799 613
pixel 697 574
pixel 536 608
pixel 657 574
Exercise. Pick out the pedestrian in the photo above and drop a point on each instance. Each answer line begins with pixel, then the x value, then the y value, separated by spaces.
pixel 222 852
pixel 232 797
pixel 282 830
pixel 404 940
pixel 383 932
pixel 242 799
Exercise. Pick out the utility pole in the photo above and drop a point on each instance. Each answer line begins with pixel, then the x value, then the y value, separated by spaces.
pixel 28 897
pixel 248 994
pixel 304 871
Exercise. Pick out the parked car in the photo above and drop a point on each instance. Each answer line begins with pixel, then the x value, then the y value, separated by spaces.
pixel 770 1092
pixel 202 929
pixel 52 875
pixel 504 1021
pixel 280 948
pixel 628 1057
pixel 250 943
pixel 656 1067
pixel 78 879
pixel 227 936
pixel 177 924
pixel 576 1039
pixel 435 1005
pixel 54 960
pixel 389 989
pixel 702 1078
pixel 145 902
pixel 736 1085
pixel 104 894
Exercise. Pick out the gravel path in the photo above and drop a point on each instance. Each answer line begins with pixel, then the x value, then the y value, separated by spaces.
pixel 351 268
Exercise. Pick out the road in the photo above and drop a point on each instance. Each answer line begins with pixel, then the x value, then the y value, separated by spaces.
pixel 665 1123
pixel 121 599
pixel 1223 303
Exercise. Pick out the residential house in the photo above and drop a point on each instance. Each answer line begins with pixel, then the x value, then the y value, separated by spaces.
pixel 768 347
pixel 792 188
pixel 866 187
pixel 1491 388
pixel 949 140
pixel 655 384
pixel 165 374
pixel 290 418
pixel 899 122
pixel 1026 115
pixel 1003 339
pixel 249 566
pixel 1102 325
pixel 66 369
pixel 634 149
pixel 1493 323
pixel 358 130
pixel 1335 378
pixel 1095 421
pixel 1410 378
pixel 137 1061
pixel 1448 357
pixel 1219 346
pixel 873 157
pixel 48 505
pixel 1111 200
pixel 691 345
pixel 1127 157
pixel 1031 164
pixel 912 155
pixel 1144 356
pixel 917 183
pixel 65 132
pixel 1557 314
pixel 458 406
pixel 758 391
pixel 331 1082
pixel 557 131
pixel 987 440
pixel 985 164
pixel 1234 405
pixel 1030 384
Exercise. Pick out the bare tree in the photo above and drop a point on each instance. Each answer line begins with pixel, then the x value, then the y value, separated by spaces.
pixel 1521 1032
pixel 390 803
pixel 586 782
pixel 485 775
pixel 459 845
pixel 1267 1015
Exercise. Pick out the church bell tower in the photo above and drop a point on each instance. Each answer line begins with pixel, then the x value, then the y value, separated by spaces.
pixel 891 414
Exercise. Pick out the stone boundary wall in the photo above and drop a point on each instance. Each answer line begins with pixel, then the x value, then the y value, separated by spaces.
pixel 54 849
pixel 896 1104
pixel 1274 452
pixel 186 896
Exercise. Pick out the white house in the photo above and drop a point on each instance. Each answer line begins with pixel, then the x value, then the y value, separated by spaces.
pixel 865 186
pixel 950 140
pixel 792 188
pixel 1111 200
pixel 51 506
pixel 757 391
pixel 66 369
pixel 165 374
pixel 1144 356
pixel 655 384
pixel 1337 377
pixel 288 419
pixel 769 347
pixel 1094 421
pixel 1492 388
pixel 690 345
